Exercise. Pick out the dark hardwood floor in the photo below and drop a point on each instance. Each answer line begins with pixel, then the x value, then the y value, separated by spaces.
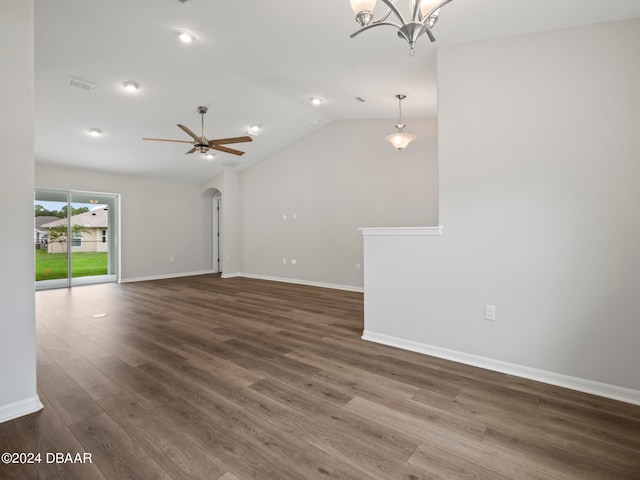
pixel 203 378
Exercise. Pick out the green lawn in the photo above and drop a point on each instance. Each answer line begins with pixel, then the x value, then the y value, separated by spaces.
pixel 50 266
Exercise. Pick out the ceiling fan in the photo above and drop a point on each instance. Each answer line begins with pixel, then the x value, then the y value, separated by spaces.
pixel 202 144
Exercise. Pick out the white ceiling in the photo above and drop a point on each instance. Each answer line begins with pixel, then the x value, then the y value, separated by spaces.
pixel 254 61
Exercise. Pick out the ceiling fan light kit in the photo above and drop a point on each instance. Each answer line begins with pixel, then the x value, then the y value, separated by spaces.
pixel 423 15
pixel 400 139
pixel 202 144
pixel 254 130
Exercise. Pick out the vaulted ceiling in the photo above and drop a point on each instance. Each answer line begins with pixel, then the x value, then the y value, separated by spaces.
pixel 253 62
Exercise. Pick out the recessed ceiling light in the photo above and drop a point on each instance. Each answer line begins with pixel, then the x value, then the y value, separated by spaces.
pixel 209 156
pixel 315 123
pixel 254 130
pixel 94 132
pixel 131 86
pixel 316 100
pixel 185 36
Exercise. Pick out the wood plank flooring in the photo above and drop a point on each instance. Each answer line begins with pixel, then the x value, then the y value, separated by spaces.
pixel 204 378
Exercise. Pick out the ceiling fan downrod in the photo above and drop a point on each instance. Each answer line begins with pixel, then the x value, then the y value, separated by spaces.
pixel 202 110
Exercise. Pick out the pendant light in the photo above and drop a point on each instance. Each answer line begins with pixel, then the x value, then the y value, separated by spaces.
pixel 400 139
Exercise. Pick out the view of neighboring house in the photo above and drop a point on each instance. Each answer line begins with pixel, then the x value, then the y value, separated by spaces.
pixel 39 232
pixel 91 234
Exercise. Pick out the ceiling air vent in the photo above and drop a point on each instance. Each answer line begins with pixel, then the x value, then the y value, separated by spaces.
pixel 80 83
pixel 231 163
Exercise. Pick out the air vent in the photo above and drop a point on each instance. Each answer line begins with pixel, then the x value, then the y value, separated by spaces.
pixel 231 163
pixel 360 99
pixel 80 83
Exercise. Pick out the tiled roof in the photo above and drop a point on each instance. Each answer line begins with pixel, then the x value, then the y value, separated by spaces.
pixel 98 218
pixel 43 220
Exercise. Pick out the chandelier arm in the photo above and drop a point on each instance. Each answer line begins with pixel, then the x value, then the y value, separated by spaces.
pixel 434 10
pixel 415 15
pixel 429 33
pixel 395 10
pixel 386 14
pixel 375 24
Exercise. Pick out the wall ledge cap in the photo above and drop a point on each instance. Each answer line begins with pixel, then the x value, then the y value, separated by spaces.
pixel 401 231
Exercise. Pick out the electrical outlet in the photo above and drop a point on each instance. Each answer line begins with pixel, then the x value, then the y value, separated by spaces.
pixel 293 261
pixel 358 267
pixel 284 261
pixel 490 312
pixel 171 259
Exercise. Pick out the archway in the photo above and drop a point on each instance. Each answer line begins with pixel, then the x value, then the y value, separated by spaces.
pixel 214 218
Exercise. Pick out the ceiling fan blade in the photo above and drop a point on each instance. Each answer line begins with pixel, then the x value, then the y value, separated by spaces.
pixel 191 151
pixel 223 141
pixel 165 140
pixel 227 150
pixel 189 132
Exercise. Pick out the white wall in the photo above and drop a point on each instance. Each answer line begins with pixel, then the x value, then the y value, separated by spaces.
pixel 342 177
pixel 539 196
pixel 159 220
pixel 17 302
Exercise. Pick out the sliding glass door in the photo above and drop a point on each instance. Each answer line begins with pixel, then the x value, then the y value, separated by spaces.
pixel 76 238
pixel 50 233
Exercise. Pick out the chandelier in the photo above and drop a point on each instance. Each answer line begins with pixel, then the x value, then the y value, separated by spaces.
pixel 400 139
pixel 423 17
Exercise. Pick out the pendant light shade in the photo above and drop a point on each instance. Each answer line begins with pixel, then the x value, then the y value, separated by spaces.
pixel 427 5
pixel 400 139
pixel 363 10
pixel 362 5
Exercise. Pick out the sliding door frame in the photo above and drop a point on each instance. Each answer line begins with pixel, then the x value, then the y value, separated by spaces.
pixel 112 200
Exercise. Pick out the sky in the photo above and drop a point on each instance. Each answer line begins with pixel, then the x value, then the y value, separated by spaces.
pixel 51 206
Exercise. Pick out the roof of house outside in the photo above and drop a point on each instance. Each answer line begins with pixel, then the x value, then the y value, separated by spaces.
pixel 98 218
pixel 43 220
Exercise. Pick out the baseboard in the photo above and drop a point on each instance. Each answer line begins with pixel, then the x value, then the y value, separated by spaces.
pixel 574 383
pixel 231 275
pixel 19 409
pixel 309 283
pixel 165 276
pixel 348 288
